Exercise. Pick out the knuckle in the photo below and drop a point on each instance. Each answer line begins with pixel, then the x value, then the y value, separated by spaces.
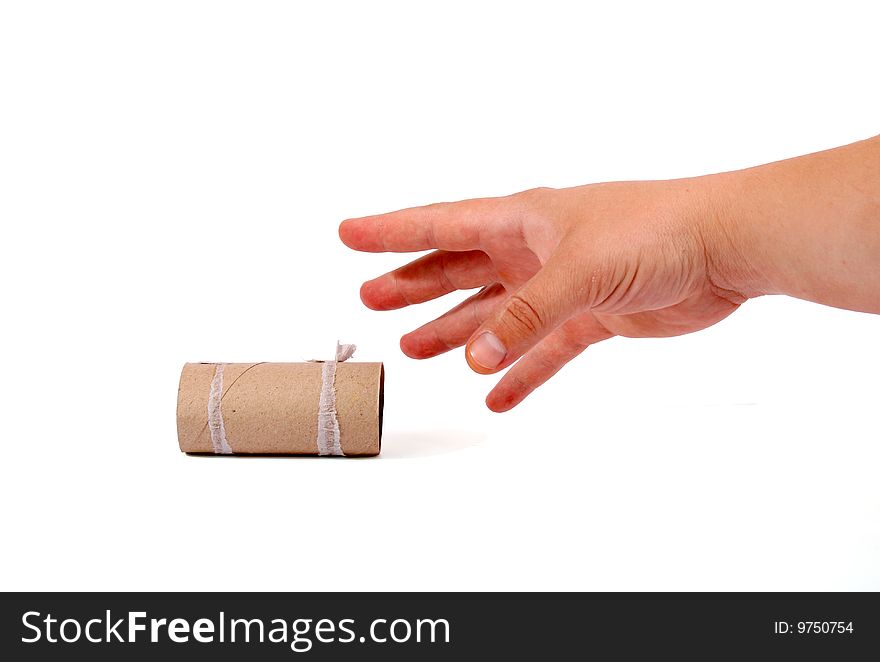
pixel 521 386
pixel 546 365
pixel 533 197
pixel 538 192
pixel 444 281
pixel 523 316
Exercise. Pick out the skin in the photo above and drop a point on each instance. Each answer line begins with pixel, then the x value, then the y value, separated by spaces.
pixel 563 269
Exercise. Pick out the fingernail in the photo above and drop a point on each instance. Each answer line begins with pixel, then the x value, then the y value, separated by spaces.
pixel 487 351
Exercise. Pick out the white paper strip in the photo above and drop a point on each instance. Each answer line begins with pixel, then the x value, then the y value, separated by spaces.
pixel 215 414
pixel 329 442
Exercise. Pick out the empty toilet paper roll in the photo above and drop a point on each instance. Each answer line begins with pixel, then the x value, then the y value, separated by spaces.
pixel 314 408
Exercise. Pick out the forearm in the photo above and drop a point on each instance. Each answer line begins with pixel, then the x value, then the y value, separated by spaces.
pixel 807 227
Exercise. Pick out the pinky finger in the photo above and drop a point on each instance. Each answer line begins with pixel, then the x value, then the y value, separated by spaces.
pixel 545 360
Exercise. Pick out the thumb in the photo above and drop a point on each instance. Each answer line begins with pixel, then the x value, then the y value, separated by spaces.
pixel 544 302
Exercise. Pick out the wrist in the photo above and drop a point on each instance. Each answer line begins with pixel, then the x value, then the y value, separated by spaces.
pixel 736 257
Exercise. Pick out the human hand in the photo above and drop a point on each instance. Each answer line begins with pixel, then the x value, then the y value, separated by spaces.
pixel 560 270
pixel 563 269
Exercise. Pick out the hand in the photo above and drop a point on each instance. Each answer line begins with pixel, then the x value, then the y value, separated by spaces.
pixel 560 270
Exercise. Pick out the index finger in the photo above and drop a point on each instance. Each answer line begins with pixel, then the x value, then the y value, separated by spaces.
pixel 451 226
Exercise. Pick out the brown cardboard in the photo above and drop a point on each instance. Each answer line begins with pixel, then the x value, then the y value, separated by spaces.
pixel 273 407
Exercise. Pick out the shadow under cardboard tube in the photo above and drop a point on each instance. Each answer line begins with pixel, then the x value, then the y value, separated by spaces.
pixel 407 445
pixel 395 446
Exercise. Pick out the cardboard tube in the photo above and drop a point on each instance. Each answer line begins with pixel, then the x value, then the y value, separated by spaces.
pixel 272 408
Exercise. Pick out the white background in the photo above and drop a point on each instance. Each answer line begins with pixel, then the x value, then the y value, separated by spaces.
pixel 171 179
